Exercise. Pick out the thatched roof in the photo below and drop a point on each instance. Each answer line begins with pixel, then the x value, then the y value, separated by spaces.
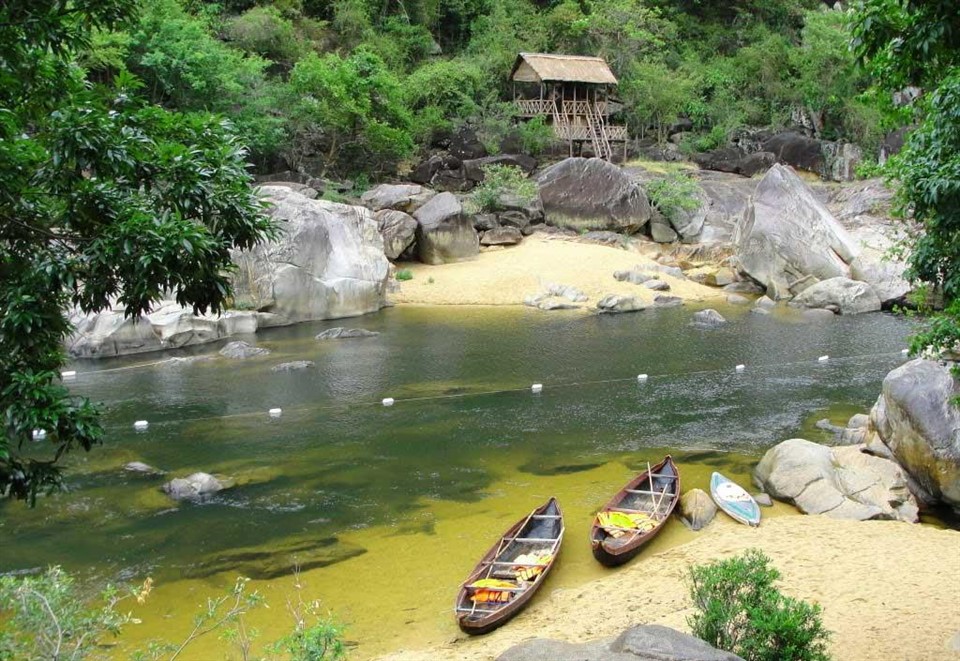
pixel 545 67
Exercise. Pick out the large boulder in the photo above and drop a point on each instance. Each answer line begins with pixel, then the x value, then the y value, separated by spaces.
pixel 917 419
pixel 841 482
pixel 444 233
pixel 398 230
pixel 327 263
pixel 645 642
pixel 401 197
pixel 844 295
pixel 788 235
pixel 592 194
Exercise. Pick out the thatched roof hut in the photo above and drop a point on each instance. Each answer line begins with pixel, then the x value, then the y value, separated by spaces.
pixel 546 67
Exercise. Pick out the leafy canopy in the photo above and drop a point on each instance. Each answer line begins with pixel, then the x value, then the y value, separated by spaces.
pixel 104 200
pixel 907 42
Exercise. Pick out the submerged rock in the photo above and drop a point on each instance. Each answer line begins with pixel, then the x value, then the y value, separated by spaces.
pixel 240 350
pixel 193 487
pixel 697 508
pixel 708 318
pixel 663 301
pixel 140 467
pixel 293 366
pixel 275 559
pixel 340 333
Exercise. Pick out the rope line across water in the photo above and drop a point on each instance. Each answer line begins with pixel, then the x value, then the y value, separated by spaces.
pixel 483 393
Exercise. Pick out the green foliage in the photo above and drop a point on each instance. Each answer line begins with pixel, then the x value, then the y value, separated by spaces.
pixel 103 200
pixel 654 95
pixel 674 194
pixel 350 110
pixel 535 136
pixel 912 43
pixel 265 32
pixel 47 617
pixel 501 181
pixel 404 274
pixel 739 609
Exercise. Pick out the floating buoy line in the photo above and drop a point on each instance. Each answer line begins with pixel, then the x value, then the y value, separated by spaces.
pixel 536 388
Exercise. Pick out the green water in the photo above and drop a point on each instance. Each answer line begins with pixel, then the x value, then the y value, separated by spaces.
pixel 376 501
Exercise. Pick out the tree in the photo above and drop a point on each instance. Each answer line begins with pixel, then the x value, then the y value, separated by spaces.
pixel 917 43
pixel 103 199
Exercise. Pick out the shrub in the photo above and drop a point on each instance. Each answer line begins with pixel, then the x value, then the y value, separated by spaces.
pixel 264 31
pixel 535 136
pixel 674 194
pixel 404 274
pixel 500 181
pixel 741 611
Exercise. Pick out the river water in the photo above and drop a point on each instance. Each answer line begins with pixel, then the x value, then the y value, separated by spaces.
pixel 386 509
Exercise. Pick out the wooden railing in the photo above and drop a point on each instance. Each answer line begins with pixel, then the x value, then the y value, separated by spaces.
pixel 535 107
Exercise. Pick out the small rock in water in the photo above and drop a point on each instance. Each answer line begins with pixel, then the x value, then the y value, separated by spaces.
pixel 667 301
pixel 737 299
pixel 763 499
pixel 708 318
pixel 345 333
pixel 291 366
pixel 617 303
pixel 193 487
pixel 140 467
pixel 241 350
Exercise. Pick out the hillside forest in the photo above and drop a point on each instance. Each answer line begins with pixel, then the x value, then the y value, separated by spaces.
pixel 363 88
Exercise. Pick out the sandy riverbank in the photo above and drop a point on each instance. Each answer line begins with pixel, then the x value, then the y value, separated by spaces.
pixel 504 276
pixel 889 590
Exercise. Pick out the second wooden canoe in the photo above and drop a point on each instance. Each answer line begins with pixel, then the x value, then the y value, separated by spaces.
pixel 518 564
pixel 649 497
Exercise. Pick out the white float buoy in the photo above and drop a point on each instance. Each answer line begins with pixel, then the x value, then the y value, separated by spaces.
pixel 275 413
pixel 70 374
pixel 740 368
pixel 641 378
pixel 388 401
pixel 823 359
pixel 141 425
pixel 905 351
pixel 39 434
pixel 536 388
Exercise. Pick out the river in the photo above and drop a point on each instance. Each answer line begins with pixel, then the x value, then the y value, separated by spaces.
pixel 386 509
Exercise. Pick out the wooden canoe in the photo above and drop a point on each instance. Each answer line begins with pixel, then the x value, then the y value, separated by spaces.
pixel 734 500
pixel 654 492
pixel 540 532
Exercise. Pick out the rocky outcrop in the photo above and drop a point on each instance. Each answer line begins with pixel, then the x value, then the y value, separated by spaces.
pixel 556 297
pixel 448 172
pixel 169 326
pixel 327 263
pixel 646 642
pixel 787 235
pixel 592 194
pixel 697 508
pixel 917 419
pixel 841 295
pixel 841 482
pixel 444 233
pixel 398 230
pixel 193 487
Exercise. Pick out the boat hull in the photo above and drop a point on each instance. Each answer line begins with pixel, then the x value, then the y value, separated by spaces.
pixel 734 500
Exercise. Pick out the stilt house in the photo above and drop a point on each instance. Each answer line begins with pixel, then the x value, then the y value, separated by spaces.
pixel 573 93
